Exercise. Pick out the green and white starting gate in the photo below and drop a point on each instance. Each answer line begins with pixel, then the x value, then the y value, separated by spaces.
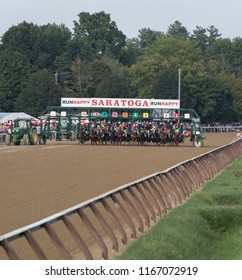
pixel 65 121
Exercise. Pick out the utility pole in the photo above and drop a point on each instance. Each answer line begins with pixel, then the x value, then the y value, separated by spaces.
pixel 56 77
pixel 179 88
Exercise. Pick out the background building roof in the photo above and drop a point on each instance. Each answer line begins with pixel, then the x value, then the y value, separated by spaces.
pixel 4 117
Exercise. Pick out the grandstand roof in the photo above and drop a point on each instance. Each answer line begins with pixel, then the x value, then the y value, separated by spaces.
pixel 4 117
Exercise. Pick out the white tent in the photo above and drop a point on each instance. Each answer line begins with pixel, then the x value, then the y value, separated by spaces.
pixel 5 117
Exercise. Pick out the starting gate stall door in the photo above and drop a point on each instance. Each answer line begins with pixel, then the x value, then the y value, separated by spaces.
pixel 130 110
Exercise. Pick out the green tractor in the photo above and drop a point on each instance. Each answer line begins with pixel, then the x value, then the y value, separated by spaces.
pixel 23 131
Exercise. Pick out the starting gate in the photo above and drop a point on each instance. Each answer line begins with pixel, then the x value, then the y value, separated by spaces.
pixel 65 121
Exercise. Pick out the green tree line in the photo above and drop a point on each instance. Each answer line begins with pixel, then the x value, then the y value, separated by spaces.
pixel 41 64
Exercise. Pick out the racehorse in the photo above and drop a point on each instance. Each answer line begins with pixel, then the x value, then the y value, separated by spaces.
pixel 121 135
pixel 104 137
pixel 99 136
pixel 143 137
pixel 134 136
pixel 164 137
pixel 113 136
pixel 82 135
pixel 94 136
pixel 156 137
pixel 175 138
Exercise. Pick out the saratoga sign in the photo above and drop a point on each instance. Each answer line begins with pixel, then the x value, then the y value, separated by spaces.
pixel 121 103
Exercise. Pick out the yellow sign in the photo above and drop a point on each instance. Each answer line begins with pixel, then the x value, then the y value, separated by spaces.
pixel 145 115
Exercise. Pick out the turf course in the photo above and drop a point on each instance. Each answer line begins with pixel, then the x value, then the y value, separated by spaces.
pixel 207 227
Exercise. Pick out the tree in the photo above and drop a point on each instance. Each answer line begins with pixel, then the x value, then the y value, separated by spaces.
pixel 200 37
pixel 233 84
pixel 115 86
pixel 210 97
pixel 147 36
pixel 14 70
pixel 177 30
pixel 40 44
pixel 166 85
pixel 131 52
pixel 98 71
pixel 55 40
pixel 213 34
pixel 219 55
pixel 24 38
pixel 79 71
pixel 154 74
pixel 62 70
pixel 99 33
pixel 236 57
pixel 39 92
pixel 80 47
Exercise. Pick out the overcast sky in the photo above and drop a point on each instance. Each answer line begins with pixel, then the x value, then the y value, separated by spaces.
pixel 129 15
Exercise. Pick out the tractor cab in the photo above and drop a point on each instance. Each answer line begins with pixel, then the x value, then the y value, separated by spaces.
pixel 23 131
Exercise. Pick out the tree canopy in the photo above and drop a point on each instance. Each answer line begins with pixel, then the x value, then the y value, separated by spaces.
pixel 40 64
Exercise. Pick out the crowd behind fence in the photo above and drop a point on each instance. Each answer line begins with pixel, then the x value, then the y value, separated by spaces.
pixel 221 128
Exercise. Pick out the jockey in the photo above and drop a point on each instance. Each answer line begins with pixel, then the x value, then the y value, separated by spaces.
pixel 125 129
pixel 112 125
pixel 104 124
pixel 126 125
pixel 153 129
pixel 147 128
pixel 175 125
pixel 105 129
pixel 167 125
pixel 135 127
pixel 98 128
pixel 92 124
pixel 147 125
pixel 163 129
pixel 120 128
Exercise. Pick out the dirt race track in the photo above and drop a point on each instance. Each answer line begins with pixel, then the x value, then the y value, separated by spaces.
pixel 38 181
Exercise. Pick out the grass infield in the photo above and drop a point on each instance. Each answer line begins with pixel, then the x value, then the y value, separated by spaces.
pixel 207 227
